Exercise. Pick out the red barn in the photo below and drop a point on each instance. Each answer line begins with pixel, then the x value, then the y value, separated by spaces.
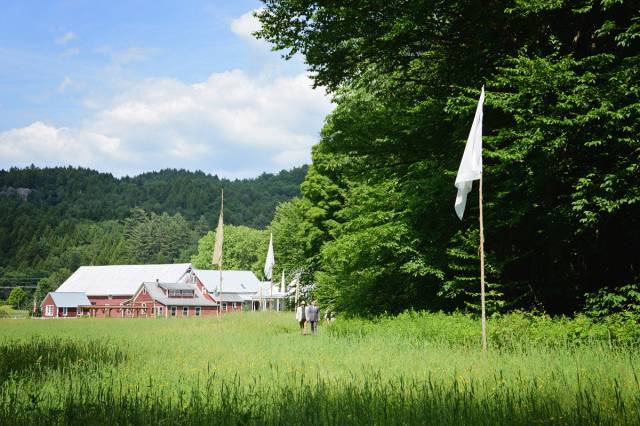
pixel 63 304
pixel 110 287
pixel 171 300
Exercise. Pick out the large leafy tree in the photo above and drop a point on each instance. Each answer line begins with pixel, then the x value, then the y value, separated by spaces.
pixel 562 149
pixel 18 299
pixel 244 248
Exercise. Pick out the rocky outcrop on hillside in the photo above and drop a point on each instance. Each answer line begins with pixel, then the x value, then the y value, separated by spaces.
pixel 23 193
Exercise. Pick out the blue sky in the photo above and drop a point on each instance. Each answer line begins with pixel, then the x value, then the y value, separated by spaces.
pixel 127 87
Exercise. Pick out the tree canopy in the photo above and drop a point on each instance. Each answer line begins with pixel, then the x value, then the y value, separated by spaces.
pixel 561 148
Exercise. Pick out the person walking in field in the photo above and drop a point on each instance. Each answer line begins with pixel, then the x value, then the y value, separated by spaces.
pixel 301 316
pixel 313 316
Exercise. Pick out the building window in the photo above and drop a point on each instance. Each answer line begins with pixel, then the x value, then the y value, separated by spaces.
pixel 197 309
pixel 224 306
pixel 159 311
pixel 65 312
pixel 49 311
pixel 144 290
pixel 174 309
pixel 144 305
pixel 185 311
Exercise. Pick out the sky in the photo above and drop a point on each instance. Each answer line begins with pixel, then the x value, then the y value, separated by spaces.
pixel 132 86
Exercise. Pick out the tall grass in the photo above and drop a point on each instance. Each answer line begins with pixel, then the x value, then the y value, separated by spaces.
pixel 256 369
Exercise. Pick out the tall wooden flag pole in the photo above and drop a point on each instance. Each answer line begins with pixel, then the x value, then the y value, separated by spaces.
pixel 482 302
pixel 217 249
pixel 471 169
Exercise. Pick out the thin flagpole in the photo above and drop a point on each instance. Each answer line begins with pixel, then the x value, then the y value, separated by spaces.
pixel 482 301
pixel 220 270
pixel 221 254
pixel 271 298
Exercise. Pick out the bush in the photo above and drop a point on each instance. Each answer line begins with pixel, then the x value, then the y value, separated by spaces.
pixel 606 302
pixel 18 299
pixel 517 331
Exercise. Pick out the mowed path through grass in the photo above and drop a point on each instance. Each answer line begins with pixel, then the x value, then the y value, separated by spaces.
pixel 255 368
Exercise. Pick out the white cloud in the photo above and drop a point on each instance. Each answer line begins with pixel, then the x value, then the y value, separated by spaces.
pixel 64 84
pixel 246 25
pixel 66 38
pixel 73 51
pixel 43 144
pixel 133 54
pixel 231 124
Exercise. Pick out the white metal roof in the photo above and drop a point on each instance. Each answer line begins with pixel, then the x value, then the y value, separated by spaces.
pixel 69 299
pixel 232 281
pixel 120 280
pixel 268 290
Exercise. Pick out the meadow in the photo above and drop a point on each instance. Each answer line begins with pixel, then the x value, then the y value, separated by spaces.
pixel 255 368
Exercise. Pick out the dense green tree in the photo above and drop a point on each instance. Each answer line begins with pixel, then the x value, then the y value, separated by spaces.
pixel 18 299
pixel 244 249
pixel 296 239
pixel 562 151
pixel 77 217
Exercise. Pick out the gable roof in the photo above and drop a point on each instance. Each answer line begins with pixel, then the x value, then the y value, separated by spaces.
pixel 232 281
pixel 120 280
pixel 175 286
pixel 158 295
pixel 68 299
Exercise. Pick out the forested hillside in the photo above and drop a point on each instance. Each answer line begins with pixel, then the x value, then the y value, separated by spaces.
pixel 376 224
pixel 56 219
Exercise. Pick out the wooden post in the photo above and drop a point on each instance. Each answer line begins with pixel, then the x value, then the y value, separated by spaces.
pixel 482 301
pixel 220 307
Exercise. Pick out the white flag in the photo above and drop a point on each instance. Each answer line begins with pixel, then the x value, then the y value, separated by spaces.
pixel 270 261
pixel 471 165
pixel 217 247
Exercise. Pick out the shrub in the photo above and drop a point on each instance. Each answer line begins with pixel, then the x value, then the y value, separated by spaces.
pixel 606 302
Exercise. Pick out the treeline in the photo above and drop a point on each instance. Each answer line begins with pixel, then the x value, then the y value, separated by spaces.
pixel 375 227
pixel 72 217
pixel 68 192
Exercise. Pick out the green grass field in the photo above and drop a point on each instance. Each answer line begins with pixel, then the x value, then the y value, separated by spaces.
pixel 415 369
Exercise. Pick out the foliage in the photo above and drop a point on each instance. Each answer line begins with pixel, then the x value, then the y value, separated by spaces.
pixel 562 153
pixel 77 217
pixel 464 266
pixel 244 249
pixel 158 238
pixel 18 299
pixel 606 302
pixel 514 332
